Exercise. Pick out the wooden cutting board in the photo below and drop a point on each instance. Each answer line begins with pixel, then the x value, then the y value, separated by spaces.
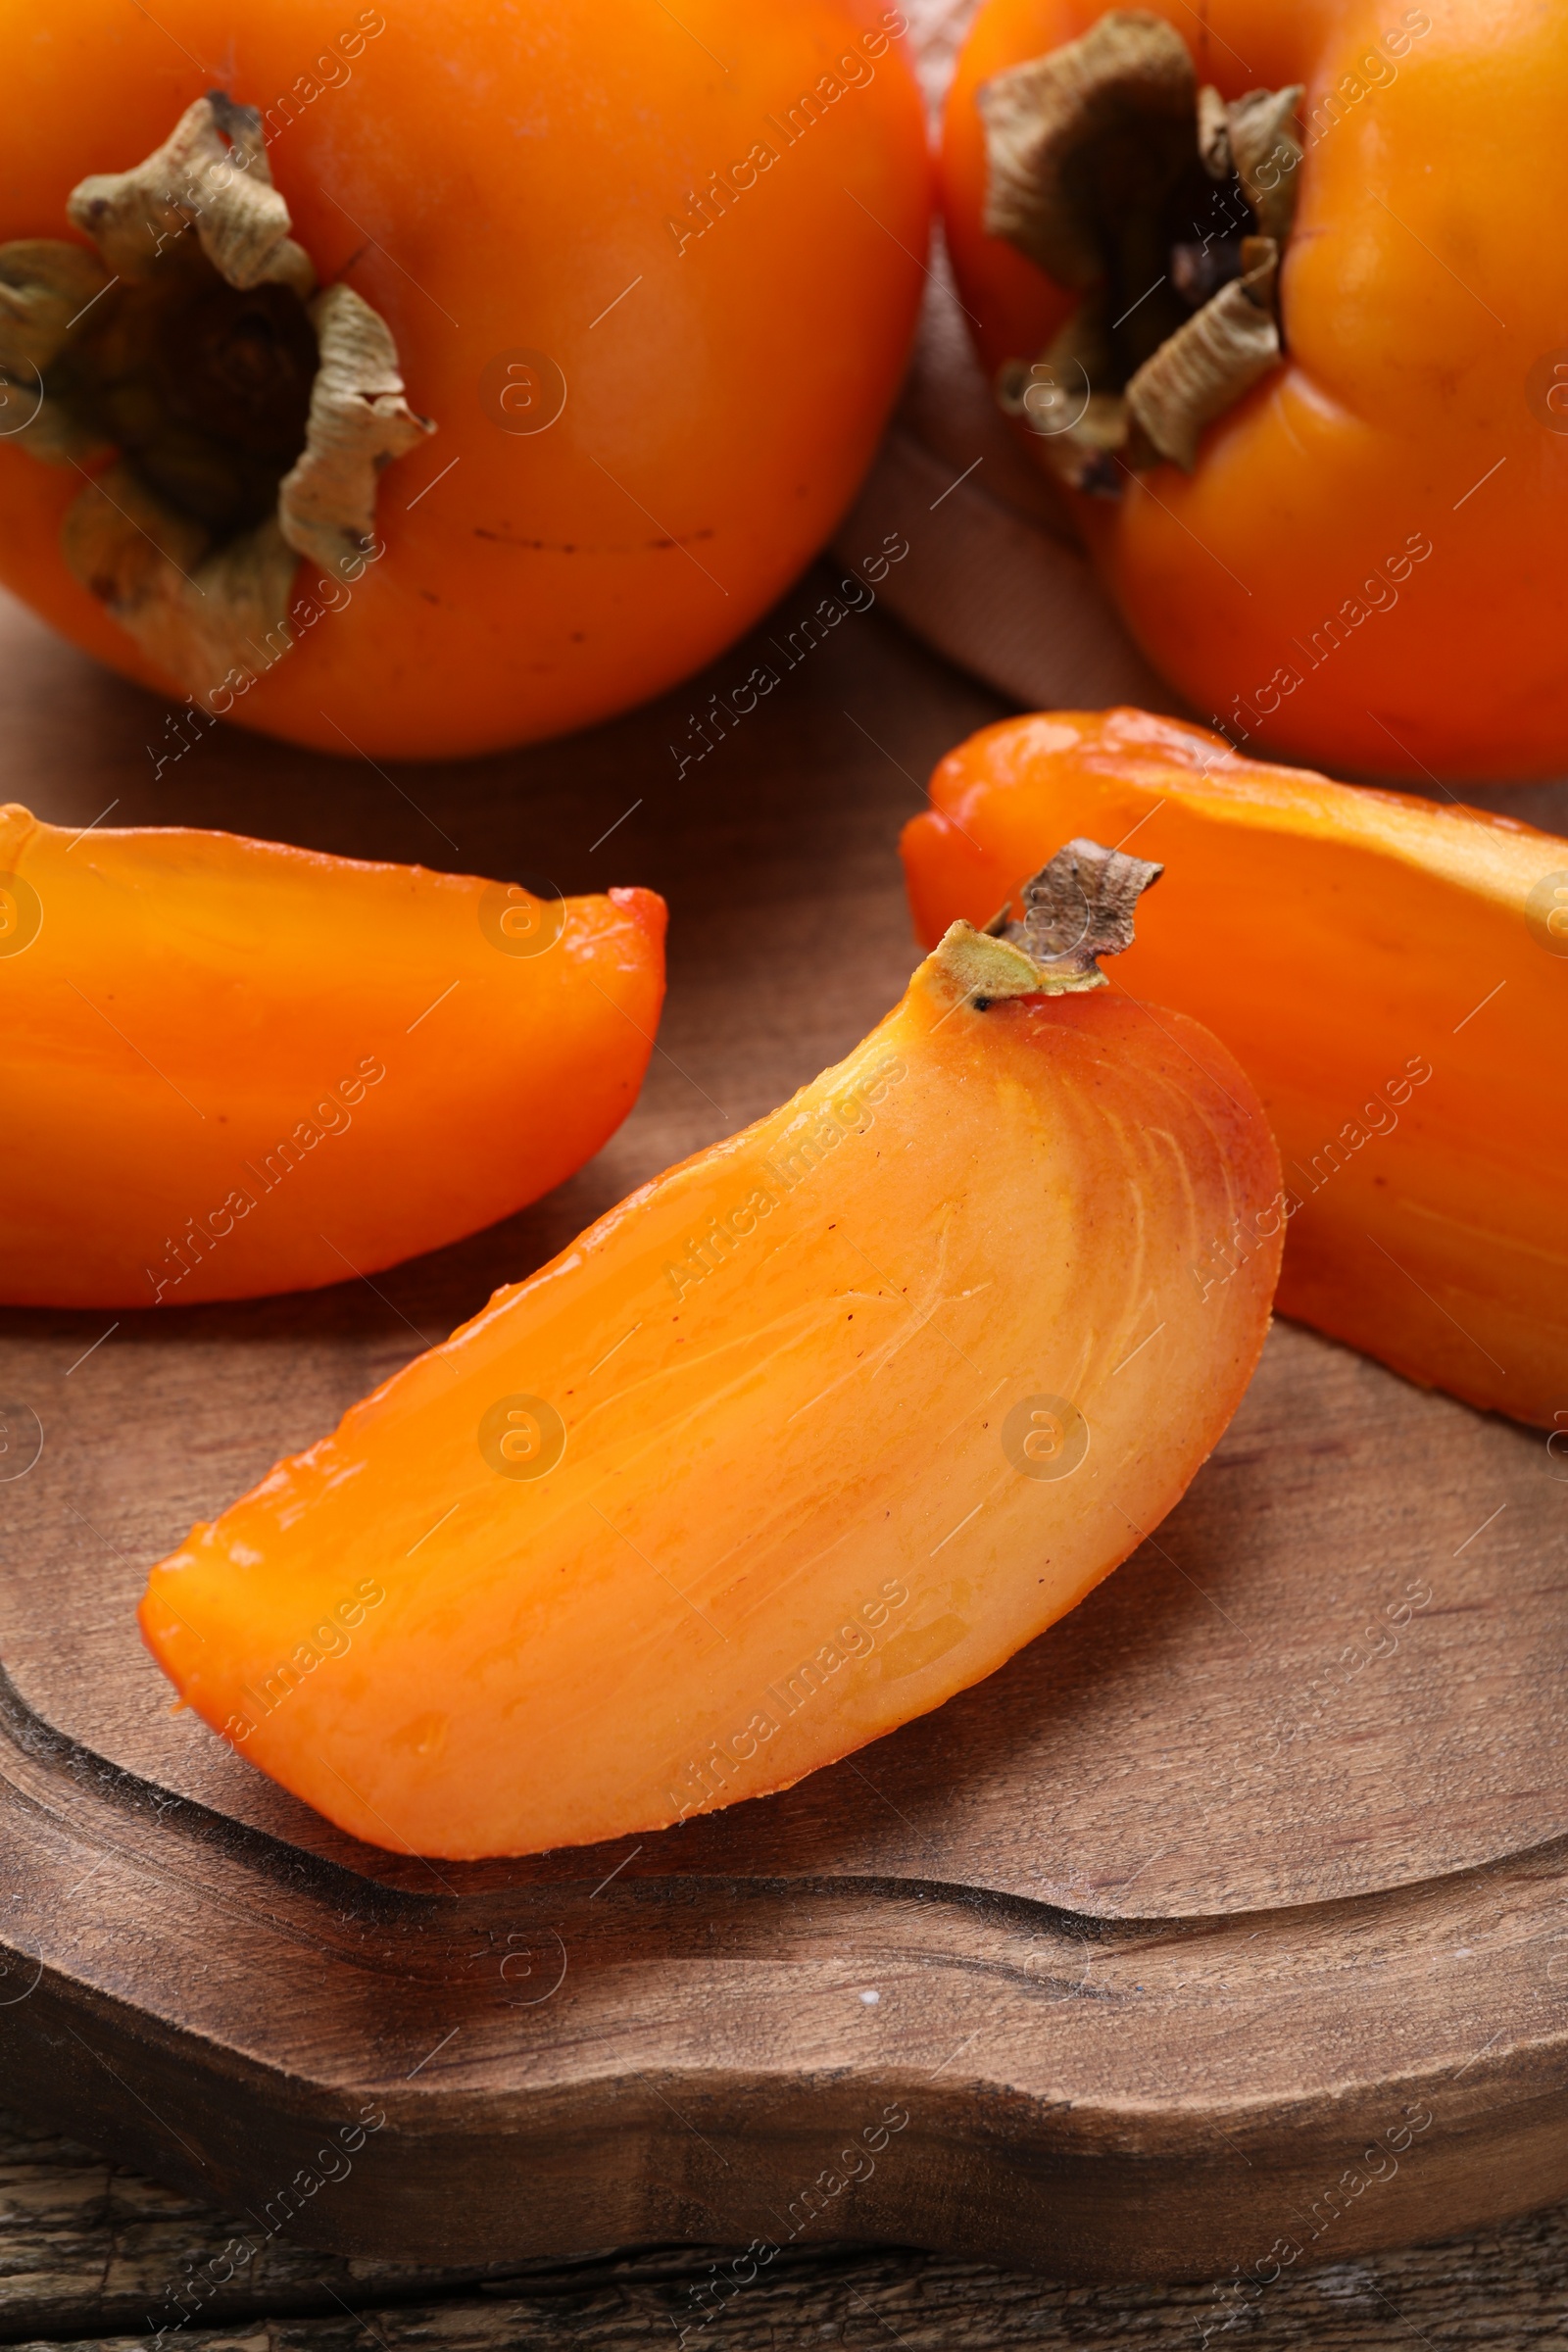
pixel 1231 1918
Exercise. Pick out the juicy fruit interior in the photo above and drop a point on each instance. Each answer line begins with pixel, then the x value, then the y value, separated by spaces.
pixel 338 1064
pixel 764 1465
pixel 1381 981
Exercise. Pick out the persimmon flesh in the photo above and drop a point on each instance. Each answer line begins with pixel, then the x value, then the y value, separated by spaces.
pixel 811 1433
pixel 1394 981
pixel 233 1067
pixel 1361 569
pixel 652 277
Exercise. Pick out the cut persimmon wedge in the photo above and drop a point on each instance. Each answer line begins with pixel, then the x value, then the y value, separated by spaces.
pixel 1390 974
pixel 811 1433
pixel 233 1067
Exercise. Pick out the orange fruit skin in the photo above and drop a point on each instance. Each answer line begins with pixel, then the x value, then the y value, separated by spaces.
pixel 1423 402
pixel 795 1454
pixel 492 180
pixel 1340 941
pixel 233 1067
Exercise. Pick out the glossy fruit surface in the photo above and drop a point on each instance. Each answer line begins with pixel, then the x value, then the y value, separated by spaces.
pixel 233 1067
pixel 654 282
pixel 1394 981
pixel 811 1433
pixel 1363 568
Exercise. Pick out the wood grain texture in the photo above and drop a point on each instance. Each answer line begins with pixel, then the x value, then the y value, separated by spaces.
pixel 1255 1864
pixel 88 2246
pixel 88 2250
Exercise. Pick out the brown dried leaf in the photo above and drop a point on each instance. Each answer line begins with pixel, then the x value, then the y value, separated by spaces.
pixel 197 614
pixel 221 184
pixel 1267 151
pixel 1081 906
pixel 1130 73
pixel 1205 368
pixel 360 420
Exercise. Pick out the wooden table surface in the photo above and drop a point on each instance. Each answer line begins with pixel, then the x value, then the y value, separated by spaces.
pixel 87 2248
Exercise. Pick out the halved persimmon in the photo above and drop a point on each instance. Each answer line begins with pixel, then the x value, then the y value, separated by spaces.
pixel 807 1434
pixel 235 1068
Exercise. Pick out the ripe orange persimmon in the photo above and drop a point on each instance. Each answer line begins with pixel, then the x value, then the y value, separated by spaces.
pixel 1393 980
pixel 1323 463
pixel 811 1432
pixel 231 1067
pixel 651 278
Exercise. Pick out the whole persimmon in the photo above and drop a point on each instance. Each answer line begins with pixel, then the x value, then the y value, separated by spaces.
pixel 419 378
pixel 1250 279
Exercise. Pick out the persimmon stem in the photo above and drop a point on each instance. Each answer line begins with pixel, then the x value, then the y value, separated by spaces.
pixel 1166 210
pixel 1078 908
pixel 236 416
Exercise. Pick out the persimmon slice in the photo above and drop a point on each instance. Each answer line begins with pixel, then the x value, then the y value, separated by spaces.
pixel 811 1433
pixel 1393 979
pixel 233 1067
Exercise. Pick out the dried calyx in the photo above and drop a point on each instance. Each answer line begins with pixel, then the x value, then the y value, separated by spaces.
pixel 1166 210
pixel 1075 910
pixel 235 418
